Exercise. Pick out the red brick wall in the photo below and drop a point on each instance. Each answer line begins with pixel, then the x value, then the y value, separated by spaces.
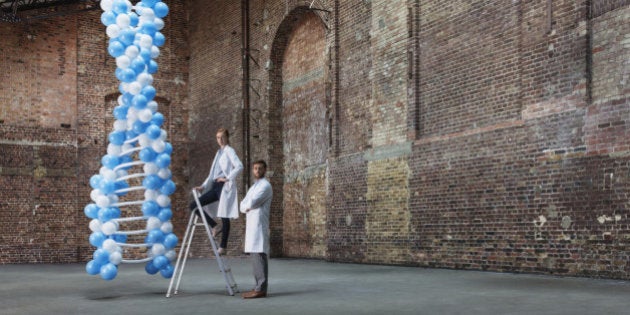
pixel 477 135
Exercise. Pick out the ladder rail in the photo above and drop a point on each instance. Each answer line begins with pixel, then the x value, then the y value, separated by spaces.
pixel 187 241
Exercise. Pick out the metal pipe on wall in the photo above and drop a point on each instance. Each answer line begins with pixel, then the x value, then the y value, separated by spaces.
pixel 245 90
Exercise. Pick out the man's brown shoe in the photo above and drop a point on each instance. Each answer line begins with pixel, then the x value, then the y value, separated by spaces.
pixel 254 294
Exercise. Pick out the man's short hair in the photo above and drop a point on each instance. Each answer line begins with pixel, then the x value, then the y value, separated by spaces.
pixel 261 162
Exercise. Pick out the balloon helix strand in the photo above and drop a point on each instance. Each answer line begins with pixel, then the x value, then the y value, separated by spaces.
pixel 134 37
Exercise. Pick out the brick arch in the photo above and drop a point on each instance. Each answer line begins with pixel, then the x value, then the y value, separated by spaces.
pixel 299 125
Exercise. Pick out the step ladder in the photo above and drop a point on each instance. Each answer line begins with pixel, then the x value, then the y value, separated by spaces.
pixel 193 222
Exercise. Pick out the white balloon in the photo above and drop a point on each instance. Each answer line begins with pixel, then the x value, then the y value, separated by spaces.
pixel 167 227
pixel 153 223
pixel 144 140
pixel 145 115
pixel 148 14
pixel 132 52
pixel 113 149
pixel 155 52
pixel 95 225
pixel 107 5
pixel 123 20
pixel 112 30
pixel 125 86
pixel 153 106
pixel 146 41
pixel 135 87
pixel 127 147
pixel 109 174
pixel 123 62
pixel 170 255
pixel 150 194
pixel 158 146
pixel 158 249
pixel 94 194
pixel 164 173
pixel 163 135
pixel 102 201
pixel 163 200
pixel 121 101
pixel 121 173
pixel 120 125
pixel 159 23
pixel 109 228
pixel 109 245
pixel 113 198
pixel 145 79
pixel 150 168
pixel 115 258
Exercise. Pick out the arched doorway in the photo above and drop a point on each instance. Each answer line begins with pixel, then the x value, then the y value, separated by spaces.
pixel 301 108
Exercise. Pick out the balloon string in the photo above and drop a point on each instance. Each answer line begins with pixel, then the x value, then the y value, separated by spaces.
pixel 127 203
pixel 138 261
pixel 128 189
pixel 123 165
pixel 131 176
pixel 129 219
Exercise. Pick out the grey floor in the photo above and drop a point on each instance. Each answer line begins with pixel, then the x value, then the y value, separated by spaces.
pixel 305 287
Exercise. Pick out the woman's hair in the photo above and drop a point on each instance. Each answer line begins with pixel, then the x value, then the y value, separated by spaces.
pixel 225 132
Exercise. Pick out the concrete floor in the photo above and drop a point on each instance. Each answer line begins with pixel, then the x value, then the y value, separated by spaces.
pixel 305 287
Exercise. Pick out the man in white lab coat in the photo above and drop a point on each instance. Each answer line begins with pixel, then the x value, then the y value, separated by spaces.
pixel 256 205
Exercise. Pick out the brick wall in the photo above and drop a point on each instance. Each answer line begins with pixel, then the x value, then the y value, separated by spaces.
pixel 467 134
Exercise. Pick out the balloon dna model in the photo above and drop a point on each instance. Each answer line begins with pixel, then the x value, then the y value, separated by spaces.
pixel 137 150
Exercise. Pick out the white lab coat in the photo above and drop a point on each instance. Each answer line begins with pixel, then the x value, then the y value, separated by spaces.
pixel 230 164
pixel 258 199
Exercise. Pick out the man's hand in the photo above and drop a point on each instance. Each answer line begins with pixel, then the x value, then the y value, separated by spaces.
pixel 222 180
pixel 199 188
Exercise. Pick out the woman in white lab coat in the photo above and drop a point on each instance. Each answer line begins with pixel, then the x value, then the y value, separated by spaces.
pixel 257 205
pixel 222 194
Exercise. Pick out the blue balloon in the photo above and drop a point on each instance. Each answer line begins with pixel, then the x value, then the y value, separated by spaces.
pixel 139 126
pixel 110 161
pixel 159 39
pixel 147 155
pixel 120 112
pixel 168 188
pixel 153 67
pixel 120 6
pixel 168 148
pixel 139 101
pixel 120 185
pixel 93 267
pixel 118 74
pixel 154 236
pixel 167 271
pixel 127 36
pixel 138 64
pixel 97 239
pixel 160 261
pixel 163 160
pixel 109 271
pixel 131 134
pixel 127 98
pixel 126 159
pixel 145 54
pixel 106 214
pixel 158 119
pixel 133 19
pixel 121 88
pixel 127 75
pixel 117 138
pixel 160 9
pixel 153 132
pixel 149 3
pixel 107 186
pixel 150 208
pixel 152 182
pixel 95 181
pixel 148 28
pixel 148 92
pixel 91 211
pixel 108 18
pixel 165 214
pixel 120 238
pixel 101 256
pixel 150 268
pixel 116 49
pixel 170 241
